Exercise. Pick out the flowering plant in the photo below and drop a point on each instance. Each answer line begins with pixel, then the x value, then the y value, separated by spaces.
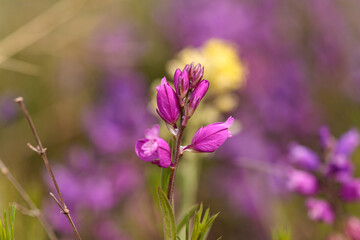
pixel 176 107
pixel 328 182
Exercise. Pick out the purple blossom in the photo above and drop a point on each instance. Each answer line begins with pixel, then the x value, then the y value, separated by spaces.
pixel 302 182
pixel 348 142
pixel 320 210
pixel 303 157
pixel 350 190
pixel 196 97
pixel 211 137
pixel 339 167
pixel 167 102
pixel 154 149
pixel 326 138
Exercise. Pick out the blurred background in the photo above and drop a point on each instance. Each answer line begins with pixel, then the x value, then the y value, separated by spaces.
pixel 87 70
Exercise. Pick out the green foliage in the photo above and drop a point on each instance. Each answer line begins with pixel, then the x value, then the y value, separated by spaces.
pixel 201 224
pixel 7 224
pixel 184 219
pixel 281 233
pixel 168 216
pixel 165 175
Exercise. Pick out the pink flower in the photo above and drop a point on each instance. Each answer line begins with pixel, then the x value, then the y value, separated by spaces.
pixel 352 228
pixel 302 182
pixel 196 97
pixel 154 149
pixel 211 137
pixel 167 102
pixel 320 210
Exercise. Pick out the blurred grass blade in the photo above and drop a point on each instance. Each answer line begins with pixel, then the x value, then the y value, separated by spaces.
pixel 184 219
pixel 281 233
pixel 168 216
pixel 187 227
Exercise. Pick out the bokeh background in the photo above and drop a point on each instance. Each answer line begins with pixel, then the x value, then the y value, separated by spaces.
pixel 87 70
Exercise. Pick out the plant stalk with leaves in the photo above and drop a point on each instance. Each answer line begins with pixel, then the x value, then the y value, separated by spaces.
pixel 176 107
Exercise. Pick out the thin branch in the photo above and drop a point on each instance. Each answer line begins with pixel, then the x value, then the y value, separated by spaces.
pixel 29 202
pixel 42 151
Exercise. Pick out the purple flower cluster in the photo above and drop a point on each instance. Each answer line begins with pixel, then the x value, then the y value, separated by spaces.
pixel 330 176
pixel 190 88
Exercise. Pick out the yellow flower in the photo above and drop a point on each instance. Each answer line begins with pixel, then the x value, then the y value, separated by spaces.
pixel 223 67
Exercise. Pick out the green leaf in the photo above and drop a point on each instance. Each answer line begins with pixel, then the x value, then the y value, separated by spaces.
pixel 12 220
pixel 164 182
pixel 168 216
pixel 184 218
pixel 206 229
pixel 6 227
pixel 187 227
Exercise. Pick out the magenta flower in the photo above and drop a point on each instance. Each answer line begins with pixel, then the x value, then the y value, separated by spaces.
pixel 350 190
pixel 181 83
pixel 302 182
pixel 154 149
pixel 196 97
pixel 320 210
pixel 211 137
pixel 167 102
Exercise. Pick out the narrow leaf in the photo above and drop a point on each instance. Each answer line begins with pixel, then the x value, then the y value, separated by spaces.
pixel 184 218
pixel 187 227
pixel 165 175
pixel 168 216
pixel 206 229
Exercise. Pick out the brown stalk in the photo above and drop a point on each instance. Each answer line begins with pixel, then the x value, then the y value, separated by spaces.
pixel 42 151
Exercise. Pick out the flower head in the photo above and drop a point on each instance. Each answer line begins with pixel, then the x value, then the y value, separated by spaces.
pixel 167 102
pixel 302 182
pixel 320 210
pixel 154 149
pixel 195 73
pixel 211 137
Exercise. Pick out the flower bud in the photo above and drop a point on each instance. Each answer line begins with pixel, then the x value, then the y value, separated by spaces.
pixel 320 210
pixel 181 83
pixel 196 97
pixel 211 137
pixel 302 182
pixel 154 149
pixel 195 74
pixel 167 102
